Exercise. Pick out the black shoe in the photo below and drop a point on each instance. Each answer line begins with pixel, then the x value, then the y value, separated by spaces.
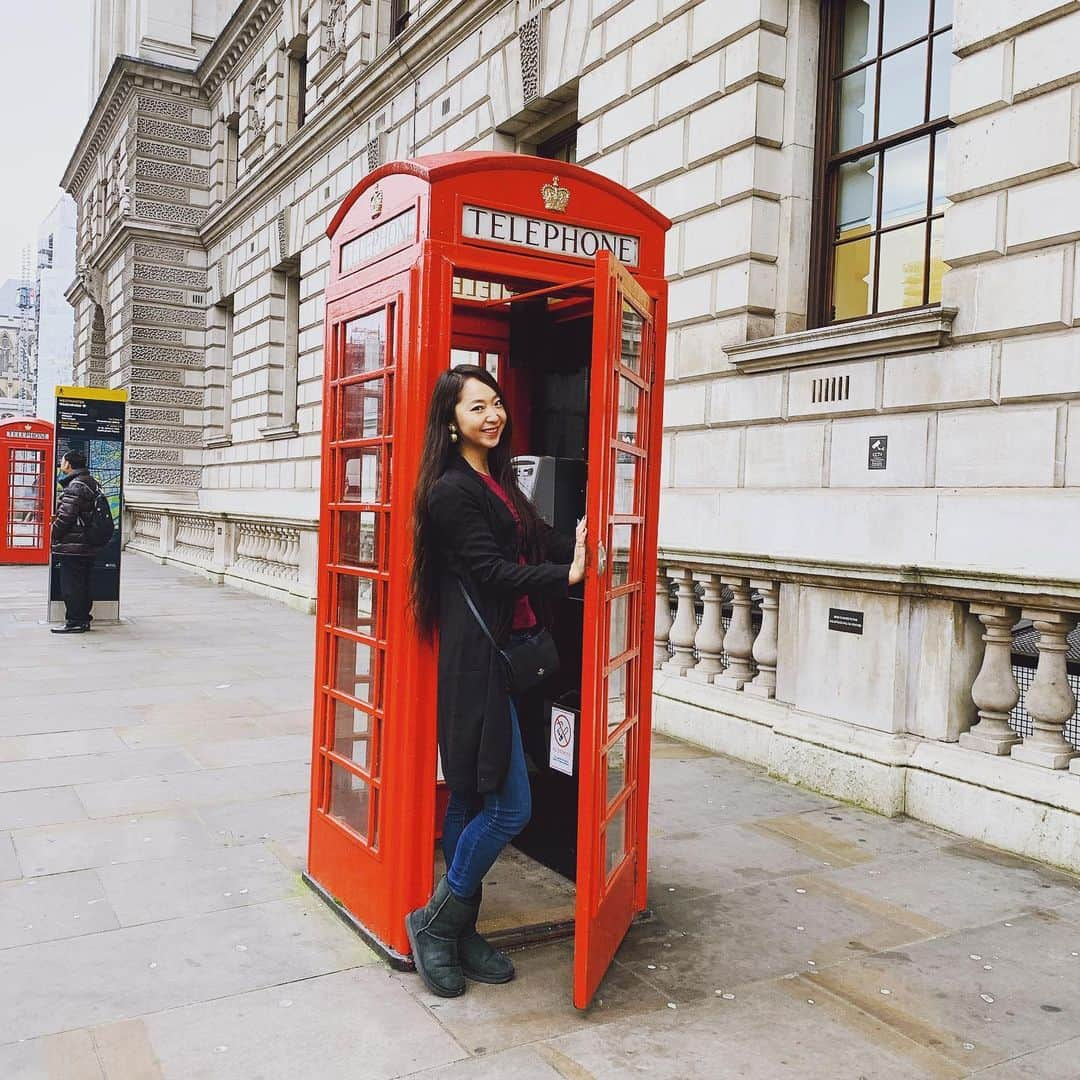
pixel 480 960
pixel 433 934
pixel 78 628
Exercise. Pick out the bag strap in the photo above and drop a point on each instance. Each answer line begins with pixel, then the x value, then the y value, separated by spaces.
pixel 478 617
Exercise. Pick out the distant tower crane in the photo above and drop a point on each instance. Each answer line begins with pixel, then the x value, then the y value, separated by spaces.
pixel 26 358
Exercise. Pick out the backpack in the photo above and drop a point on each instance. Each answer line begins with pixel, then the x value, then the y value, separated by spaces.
pixel 98 525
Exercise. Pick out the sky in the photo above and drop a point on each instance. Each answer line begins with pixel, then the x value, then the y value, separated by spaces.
pixel 44 77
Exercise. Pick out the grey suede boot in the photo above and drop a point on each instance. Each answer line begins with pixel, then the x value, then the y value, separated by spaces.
pixel 433 932
pixel 480 960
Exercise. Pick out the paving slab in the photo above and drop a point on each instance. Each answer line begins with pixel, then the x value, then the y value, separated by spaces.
pixel 193 788
pixel 50 908
pixel 65 744
pixel 56 986
pixel 71 1055
pixel 261 751
pixel 174 888
pixel 89 768
pixel 1054 1063
pixel 356 1023
pixel 53 849
pixel 9 863
pixel 45 806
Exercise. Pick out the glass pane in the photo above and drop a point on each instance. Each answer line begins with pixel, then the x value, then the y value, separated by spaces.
pixel 941 153
pixel 632 324
pixel 358 539
pixel 618 621
pixel 906 176
pixel 354 669
pixel 905 20
pixel 860 33
pixel 856 197
pixel 624 495
pixel 615 842
pixel 350 799
pixel 903 91
pixel 360 474
pixel 619 553
pixel 352 733
pixel 900 275
pixel 937 261
pixel 852 267
pixel 464 356
pixel 622 693
pixel 939 76
pixel 855 110
pixel 616 768
pixel 942 13
pixel 365 344
pixel 629 411
pixel 362 411
pixel 357 606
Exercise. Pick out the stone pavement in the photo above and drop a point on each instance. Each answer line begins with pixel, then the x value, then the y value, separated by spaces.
pixel 153 810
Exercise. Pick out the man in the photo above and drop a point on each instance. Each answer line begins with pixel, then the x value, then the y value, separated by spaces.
pixel 70 543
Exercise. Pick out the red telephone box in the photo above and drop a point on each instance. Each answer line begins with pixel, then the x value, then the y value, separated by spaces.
pixel 25 490
pixel 555 282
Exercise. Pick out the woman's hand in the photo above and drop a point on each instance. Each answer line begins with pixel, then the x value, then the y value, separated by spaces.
pixel 577 567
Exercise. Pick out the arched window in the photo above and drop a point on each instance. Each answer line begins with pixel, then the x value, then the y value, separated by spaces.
pixel 5 353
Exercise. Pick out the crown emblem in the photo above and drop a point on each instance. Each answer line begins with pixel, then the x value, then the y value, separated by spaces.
pixel 555 197
pixel 376 202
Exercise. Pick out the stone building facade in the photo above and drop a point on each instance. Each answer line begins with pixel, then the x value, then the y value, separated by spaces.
pixel 872 448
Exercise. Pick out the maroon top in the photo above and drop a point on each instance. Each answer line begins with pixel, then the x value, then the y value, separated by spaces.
pixel 524 616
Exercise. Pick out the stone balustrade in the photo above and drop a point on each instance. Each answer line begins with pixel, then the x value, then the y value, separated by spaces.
pixel 719 628
pixel 269 557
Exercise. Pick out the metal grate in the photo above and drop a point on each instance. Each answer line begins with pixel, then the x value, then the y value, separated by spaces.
pixel 1019 720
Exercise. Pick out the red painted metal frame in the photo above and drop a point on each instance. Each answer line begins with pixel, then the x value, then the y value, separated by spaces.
pixel 21 433
pixel 377 884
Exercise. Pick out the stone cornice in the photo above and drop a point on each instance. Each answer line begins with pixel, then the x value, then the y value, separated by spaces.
pixel 439 25
pixel 125 75
pixel 232 43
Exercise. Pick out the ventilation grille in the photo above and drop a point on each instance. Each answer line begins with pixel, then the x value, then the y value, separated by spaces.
pixel 831 388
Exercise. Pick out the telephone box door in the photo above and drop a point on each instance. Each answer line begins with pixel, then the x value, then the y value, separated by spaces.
pixel 619 597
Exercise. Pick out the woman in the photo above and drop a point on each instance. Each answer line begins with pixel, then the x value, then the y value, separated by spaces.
pixel 474 527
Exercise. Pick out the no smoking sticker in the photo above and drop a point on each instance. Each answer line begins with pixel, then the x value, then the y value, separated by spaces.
pixel 561 754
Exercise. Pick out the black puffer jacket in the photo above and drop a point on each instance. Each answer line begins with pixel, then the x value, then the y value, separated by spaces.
pixel 76 505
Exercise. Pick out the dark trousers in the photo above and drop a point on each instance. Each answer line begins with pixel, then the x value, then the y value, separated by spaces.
pixel 75 588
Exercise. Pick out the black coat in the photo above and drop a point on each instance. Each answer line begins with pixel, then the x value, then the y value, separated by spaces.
pixel 76 505
pixel 479 544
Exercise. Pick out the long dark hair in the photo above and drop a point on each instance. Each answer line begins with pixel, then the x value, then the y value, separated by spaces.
pixel 439 452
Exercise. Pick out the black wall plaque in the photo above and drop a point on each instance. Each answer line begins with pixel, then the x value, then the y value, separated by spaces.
pixel 847 622
pixel 878 456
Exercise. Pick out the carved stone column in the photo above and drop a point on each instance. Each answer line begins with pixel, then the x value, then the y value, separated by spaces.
pixel 739 640
pixel 684 629
pixel 661 620
pixel 765 644
pixel 1050 700
pixel 994 690
pixel 710 635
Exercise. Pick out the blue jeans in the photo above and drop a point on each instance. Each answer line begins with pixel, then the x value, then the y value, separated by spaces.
pixel 477 828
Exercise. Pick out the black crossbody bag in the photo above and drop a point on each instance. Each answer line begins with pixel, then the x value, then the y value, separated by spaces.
pixel 528 661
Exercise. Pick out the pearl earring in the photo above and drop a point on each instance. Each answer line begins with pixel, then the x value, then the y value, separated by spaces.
pixel 453 434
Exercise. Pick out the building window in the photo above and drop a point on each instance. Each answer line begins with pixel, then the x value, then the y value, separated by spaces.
pixel 881 156
pixel 232 152
pixel 400 13
pixel 560 147
pixel 297 92
pixel 285 351
pixel 219 372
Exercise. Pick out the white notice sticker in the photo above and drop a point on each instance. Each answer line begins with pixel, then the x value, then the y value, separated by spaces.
pixel 561 756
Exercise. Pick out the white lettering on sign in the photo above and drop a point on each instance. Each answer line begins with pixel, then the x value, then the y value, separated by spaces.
pixel 554 237
pixel 27 435
pixel 394 233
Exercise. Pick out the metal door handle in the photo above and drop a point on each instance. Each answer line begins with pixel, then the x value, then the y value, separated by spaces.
pixel 601 558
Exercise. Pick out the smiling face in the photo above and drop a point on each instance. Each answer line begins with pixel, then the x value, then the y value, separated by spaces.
pixel 480 417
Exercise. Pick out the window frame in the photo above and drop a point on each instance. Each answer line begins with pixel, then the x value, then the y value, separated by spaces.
pixel 827 165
